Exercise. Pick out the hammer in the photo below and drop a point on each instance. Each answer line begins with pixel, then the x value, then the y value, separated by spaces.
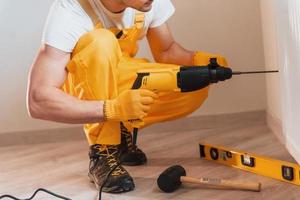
pixel 172 178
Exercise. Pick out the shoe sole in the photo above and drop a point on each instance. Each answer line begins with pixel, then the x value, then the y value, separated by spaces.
pixel 134 163
pixel 112 190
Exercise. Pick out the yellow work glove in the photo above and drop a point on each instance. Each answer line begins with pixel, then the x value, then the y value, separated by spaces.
pixel 203 59
pixel 129 105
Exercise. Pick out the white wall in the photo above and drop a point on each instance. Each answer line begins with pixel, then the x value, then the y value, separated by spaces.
pixel 21 25
pixel 231 28
pixel 281 25
pixel 228 27
pixel 269 24
pixel 288 18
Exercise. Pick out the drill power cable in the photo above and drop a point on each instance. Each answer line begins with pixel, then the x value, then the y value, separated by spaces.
pixel 35 193
pixel 265 166
pixel 59 196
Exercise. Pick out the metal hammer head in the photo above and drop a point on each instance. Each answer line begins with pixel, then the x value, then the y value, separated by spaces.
pixel 169 180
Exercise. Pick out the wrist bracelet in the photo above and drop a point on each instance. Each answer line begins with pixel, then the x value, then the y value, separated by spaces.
pixel 104 111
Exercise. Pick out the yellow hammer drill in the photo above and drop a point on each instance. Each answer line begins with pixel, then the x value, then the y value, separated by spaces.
pixel 182 79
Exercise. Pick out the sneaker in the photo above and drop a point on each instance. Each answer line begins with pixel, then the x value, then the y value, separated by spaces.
pixel 103 159
pixel 130 155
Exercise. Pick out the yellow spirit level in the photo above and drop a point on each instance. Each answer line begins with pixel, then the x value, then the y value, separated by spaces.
pixel 277 169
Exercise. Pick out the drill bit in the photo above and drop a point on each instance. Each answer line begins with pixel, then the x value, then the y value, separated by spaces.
pixel 254 72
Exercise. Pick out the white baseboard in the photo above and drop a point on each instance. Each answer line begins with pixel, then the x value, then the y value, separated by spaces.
pixel 276 126
pixel 183 124
pixel 42 136
pixel 293 149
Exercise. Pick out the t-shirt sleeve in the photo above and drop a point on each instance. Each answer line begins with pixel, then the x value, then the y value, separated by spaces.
pixel 65 24
pixel 163 10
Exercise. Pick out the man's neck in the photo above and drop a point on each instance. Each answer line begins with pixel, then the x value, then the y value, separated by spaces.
pixel 115 6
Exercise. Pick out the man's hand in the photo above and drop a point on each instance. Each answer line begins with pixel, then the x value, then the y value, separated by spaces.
pixel 46 100
pixel 203 59
pixel 129 105
pixel 165 49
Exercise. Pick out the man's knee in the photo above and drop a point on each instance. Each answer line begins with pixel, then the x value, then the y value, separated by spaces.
pixel 101 39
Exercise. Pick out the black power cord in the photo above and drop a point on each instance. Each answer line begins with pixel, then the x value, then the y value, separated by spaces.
pixel 59 196
pixel 35 193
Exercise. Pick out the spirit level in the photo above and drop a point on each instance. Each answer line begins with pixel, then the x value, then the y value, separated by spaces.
pixel 276 169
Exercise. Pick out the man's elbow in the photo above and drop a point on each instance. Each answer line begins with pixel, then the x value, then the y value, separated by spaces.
pixel 161 58
pixel 33 105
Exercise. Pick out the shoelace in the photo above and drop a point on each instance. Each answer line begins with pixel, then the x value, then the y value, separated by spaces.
pixel 111 154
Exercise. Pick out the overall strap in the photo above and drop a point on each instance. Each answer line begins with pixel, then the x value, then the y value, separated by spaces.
pixel 139 21
pixel 85 4
pixel 135 31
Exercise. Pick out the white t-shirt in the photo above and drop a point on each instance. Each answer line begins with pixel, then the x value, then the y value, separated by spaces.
pixel 67 21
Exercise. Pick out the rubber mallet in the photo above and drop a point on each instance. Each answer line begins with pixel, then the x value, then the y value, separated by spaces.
pixel 172 178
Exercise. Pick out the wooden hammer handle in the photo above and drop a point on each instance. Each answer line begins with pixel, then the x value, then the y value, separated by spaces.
pixel 220 183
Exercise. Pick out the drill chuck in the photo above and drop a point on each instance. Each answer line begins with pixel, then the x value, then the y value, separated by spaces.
pixel 220 74
pixel 194 78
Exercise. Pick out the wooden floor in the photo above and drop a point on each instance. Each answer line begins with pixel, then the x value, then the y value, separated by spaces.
pixel 62 166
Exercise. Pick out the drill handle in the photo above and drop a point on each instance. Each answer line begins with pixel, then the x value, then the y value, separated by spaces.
pixel 139 80
pixel 136 123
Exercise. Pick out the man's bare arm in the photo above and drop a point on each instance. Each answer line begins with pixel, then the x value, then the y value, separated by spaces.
pixel 45 99
pixel 165 49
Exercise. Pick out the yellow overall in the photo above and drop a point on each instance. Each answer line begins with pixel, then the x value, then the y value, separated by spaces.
pixel 103 66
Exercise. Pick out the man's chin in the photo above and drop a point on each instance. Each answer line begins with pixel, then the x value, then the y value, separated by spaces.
pixel 145 8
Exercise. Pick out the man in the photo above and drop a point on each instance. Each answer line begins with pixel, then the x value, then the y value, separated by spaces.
pixel 85 69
